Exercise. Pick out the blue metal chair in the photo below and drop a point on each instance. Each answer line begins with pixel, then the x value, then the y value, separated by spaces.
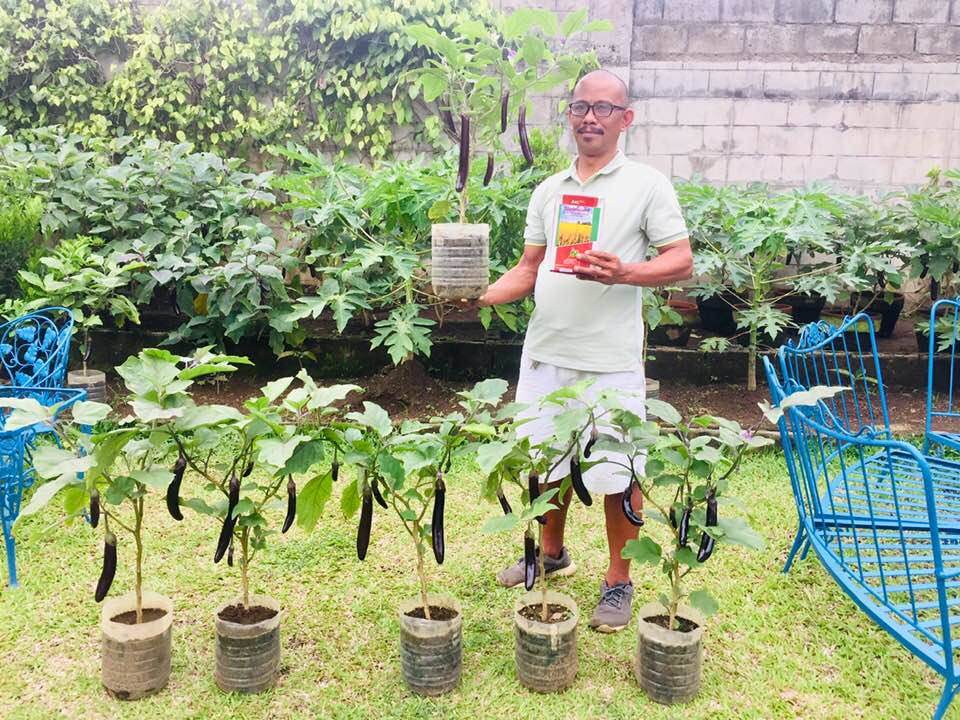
pixel 942 371
pixel 35 348
pixel 844 356
pixel 884 520
pixel 16 465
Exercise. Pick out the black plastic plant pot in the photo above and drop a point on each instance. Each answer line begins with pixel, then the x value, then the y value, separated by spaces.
pixel 889 310
pixel 806 309
pixel 716 313
pixel 670 335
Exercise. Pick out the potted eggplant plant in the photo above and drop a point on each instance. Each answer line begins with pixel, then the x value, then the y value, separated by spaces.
pixel 405 469
pixel 107 476
pixel 683 482
pixel 280 437
pixel 479 80
pixel 684 477
pixel 545 621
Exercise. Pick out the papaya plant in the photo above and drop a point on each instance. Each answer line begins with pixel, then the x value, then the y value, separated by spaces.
pixel 107 473
pixel 930 219
pixel 743 238
pixel 478 79
pixel 405 468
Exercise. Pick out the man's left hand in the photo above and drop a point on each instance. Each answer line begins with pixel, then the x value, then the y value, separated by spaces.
pixel 602 267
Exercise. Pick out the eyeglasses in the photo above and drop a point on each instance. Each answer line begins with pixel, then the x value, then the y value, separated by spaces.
pixel 600 109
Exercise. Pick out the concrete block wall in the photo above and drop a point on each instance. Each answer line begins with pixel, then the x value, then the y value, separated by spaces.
pixel 863 93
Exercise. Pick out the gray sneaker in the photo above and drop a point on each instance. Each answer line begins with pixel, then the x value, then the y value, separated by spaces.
pixel 614 609
pixel 555 567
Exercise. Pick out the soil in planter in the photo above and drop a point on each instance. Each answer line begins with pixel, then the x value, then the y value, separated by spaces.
pixel 130 618
pixel 557 613
pixel 246 616
pixel 436 613
pixel 664 622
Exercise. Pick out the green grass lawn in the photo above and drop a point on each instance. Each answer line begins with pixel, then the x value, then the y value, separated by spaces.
pixel 780 647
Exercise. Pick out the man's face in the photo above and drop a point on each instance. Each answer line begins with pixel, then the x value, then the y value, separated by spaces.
pixel 597 135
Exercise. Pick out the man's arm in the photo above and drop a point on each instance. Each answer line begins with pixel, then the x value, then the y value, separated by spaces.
pixel 518 281
pixel 673 262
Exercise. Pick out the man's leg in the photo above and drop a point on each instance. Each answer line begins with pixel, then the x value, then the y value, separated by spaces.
pixel 556 524
pixel 619 530
pixel 557 562
pixel 616 591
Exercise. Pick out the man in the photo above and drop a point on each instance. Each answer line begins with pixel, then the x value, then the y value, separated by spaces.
pixel 588 323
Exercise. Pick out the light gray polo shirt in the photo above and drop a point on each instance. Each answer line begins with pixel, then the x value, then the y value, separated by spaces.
pixel 585 325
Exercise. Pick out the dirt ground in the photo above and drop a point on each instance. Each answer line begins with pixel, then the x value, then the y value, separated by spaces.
pixel 409 392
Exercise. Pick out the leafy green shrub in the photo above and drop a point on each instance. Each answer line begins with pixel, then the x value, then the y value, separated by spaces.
pixel 76 276
pixel 50 61
pixel 224 75
pixel 929 222
pixel 19 232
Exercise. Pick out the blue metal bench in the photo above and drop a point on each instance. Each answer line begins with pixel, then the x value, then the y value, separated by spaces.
pixel 882 517
pixel 16 466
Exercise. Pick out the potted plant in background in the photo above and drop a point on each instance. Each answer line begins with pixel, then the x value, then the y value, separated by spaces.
pixel 663 324
pixel 88 284
pixel 873 244
pixel 742 239
pixel 479 81
pixel 405 469
pixel 108 472
pixel 929 219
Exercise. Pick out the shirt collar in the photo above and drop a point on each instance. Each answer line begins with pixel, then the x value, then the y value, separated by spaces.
pixel 615 162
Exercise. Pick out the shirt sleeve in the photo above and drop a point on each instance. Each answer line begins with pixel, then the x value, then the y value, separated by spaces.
pixel 663 221
pixel 535 231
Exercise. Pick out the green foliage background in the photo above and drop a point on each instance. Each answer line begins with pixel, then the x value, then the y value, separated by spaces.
pixel 221 75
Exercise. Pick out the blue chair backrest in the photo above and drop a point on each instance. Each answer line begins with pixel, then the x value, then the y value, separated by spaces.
pixel 942 370
pixel 841 356
pixel 35 348
pixel 870 509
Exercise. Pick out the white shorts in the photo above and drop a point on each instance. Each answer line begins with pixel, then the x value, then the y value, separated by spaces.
pixel 538 379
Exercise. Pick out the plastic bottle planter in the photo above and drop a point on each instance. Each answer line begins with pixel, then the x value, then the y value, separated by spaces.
pixel 669 663
pixel 546 652
pixel 460 265
pixel 93 381
pixel 136 658
pixel 248 656
pixel 431 651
